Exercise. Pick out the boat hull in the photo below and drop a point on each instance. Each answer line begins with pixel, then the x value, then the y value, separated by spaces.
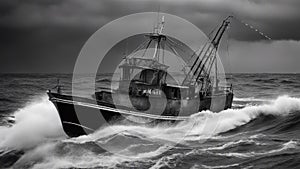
pixel 81 116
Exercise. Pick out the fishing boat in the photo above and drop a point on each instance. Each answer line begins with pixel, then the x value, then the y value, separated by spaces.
pixel 139 97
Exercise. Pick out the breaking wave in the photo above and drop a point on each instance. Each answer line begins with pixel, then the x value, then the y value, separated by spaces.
pixel 35 123
pixel 37 132
pixel 288 145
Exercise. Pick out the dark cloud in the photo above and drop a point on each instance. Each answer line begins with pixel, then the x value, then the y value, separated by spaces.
pixel 271 16
pixel 47 35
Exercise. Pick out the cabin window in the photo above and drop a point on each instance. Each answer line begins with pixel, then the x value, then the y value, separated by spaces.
pixel 161 78
pixel 184 93
pixel 172 93
pixel 177 93
pixel 126 73
pixel 149 76
pixel 138 77
pixel 100 96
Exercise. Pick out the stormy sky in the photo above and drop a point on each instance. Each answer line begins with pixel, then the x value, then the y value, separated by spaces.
pixel 44 36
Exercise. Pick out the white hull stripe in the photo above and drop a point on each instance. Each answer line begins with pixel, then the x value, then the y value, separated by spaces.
pixel 126 112
pixel 78 125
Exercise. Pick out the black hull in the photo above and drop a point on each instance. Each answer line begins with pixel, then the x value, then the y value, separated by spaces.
pixel 81 116
pixel 74 127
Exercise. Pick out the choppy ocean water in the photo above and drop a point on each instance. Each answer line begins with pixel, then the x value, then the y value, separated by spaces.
pixel 262 130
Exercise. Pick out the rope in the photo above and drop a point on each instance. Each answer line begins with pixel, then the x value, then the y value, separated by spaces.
pixel 253 28
pixel 173 50
pixel 140 47
pixel 228 53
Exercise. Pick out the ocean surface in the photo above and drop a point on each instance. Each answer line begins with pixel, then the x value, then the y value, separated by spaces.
pixel 262 130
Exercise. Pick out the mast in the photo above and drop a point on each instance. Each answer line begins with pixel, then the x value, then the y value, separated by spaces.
pixel 157 37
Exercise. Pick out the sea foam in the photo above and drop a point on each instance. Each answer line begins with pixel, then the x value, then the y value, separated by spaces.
pixel 35 123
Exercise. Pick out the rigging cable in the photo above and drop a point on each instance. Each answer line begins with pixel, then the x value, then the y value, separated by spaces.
pixel 175 52
pixel 147 47
pixel 207 41
pixel 140 47
pixel 253 28
pixel 228 54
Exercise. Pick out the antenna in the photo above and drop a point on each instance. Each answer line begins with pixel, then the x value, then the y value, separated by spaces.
pixel 162 24
pixel 156 28
pixel 126 51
